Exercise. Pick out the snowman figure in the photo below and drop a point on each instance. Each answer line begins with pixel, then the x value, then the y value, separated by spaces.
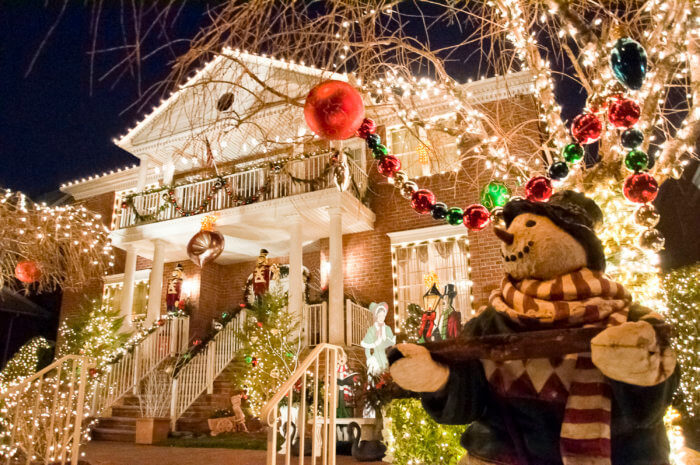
pixel 603 407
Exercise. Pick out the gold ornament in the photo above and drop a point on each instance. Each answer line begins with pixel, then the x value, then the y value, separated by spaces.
pixel 646 216
pixel 652 240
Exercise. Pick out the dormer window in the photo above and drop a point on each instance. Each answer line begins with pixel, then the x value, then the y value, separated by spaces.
pixel 225 101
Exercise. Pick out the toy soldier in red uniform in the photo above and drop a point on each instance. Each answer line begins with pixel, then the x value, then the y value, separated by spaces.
pixel 263 274
pixel 172 296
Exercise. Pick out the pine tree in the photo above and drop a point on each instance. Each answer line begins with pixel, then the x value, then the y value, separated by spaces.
pixel 96 332
pixel 270 349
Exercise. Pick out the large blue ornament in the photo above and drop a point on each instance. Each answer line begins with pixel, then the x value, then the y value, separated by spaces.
pixel 628 61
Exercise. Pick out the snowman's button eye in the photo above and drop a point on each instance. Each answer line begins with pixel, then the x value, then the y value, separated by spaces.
pixel 530 223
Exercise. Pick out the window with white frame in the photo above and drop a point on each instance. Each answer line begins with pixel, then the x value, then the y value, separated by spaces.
pixel 438 250
pixel 422 152
pixel 113 288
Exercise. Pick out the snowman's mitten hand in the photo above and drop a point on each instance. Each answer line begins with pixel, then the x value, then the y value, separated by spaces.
pixel 631 354
pixel 412 367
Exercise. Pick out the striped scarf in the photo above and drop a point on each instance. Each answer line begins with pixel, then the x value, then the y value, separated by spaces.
pixel 581 298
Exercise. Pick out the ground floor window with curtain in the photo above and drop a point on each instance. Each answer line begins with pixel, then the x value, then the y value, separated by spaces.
pixel 448 258
pixel 112 294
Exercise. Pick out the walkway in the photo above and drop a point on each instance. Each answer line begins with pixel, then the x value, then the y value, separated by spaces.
pixel 120 453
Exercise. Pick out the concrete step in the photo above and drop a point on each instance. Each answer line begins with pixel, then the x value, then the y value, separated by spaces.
pixel 132 411
pixel 115 435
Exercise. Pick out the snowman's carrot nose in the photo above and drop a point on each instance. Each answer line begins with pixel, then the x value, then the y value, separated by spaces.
pixel 504 235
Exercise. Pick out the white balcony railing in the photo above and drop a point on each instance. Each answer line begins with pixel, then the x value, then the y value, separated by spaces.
pixel 310 398
pixel 125 375
pixel 258 184
pixel 41 418
pixel 198 375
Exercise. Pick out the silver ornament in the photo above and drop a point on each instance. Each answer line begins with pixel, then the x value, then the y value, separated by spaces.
pixel 652 240
pixel 497 216
pixel 400 177
pixel 647 216
pixel 217 326
pixel 408 188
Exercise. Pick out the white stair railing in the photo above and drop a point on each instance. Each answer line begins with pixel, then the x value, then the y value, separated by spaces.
pixel 314 324
pixel 316 378
pixel 357 320
pixel 125 375
pixel 41 417
pixel 198 375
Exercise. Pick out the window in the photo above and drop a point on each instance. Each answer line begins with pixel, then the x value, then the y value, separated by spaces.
pixel 447 256
pixel 112 293
pixel 355 152
pixel 439 149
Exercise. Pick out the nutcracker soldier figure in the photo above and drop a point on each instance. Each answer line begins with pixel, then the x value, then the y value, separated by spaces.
pixel 172 297
pixel 264 274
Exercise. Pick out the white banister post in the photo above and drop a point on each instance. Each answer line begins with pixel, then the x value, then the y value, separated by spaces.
pixel 348 323
pixel 127 302
pixel 155 282
pixel 137 362
pixel 335 280
pixel 173 405
pixel 211 359
pixel 296 278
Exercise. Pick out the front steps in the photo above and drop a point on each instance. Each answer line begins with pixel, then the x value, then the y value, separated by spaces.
pixel 121 426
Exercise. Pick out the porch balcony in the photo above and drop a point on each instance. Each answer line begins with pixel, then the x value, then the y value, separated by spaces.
pixel 253 185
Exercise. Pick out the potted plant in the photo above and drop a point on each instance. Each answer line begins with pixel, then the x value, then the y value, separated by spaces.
pixel 154 401
pixel 221 421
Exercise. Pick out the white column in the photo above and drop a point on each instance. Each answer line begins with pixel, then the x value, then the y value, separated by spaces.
pixel 336 331
pixel 143 172
pixel 296 280
pixel 128 288
pixel 155 281
pixel 168 173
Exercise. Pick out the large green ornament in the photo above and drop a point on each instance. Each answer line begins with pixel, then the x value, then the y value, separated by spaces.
pixel 636 160
pixel 494 194
pixel 455 216
pixel 573 153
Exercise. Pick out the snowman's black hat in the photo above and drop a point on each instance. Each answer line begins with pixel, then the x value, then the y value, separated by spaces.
pixel 571 211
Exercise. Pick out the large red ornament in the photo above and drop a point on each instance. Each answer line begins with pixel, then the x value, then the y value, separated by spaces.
pixel 27 271
pixel 334 110
pixel 640 188
pixel 476 217
pixel 388 165
pixel 423 201
pixel 538 189
pixel 586 128
pixel 623 113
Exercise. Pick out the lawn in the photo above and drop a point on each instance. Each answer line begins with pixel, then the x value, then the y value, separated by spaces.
pixel 251 441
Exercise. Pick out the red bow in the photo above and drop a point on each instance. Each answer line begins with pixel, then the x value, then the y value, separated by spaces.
pixel 429 319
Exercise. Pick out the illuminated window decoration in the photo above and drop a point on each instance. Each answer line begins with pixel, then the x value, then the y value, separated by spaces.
pixel 112 293
pixel 444 258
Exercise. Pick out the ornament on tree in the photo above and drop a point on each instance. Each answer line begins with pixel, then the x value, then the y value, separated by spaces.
pixel 476 217
pixel 573 153
pixel 636 160
pixel 586 128
pixel 27 271
pixel 423 201
pixel 455 216
pixel 248 359
pixel 623 113
pixel 407 189
pixel 207 244
pixel 652 240
pixel 494 194
pixel 538 189
pixel 640 188
pixel 388 165
pixel 631 138
pixel 439 211
pixel 334 110
pixel 367 127
pixel 647 216
pixel 628 61
pixel 254 361
pixel 558 170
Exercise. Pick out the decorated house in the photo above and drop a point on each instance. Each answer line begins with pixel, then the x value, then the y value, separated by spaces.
pixel 233 196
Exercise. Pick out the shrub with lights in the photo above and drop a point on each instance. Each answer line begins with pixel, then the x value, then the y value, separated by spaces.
pixel 270 348
pixel 29 359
